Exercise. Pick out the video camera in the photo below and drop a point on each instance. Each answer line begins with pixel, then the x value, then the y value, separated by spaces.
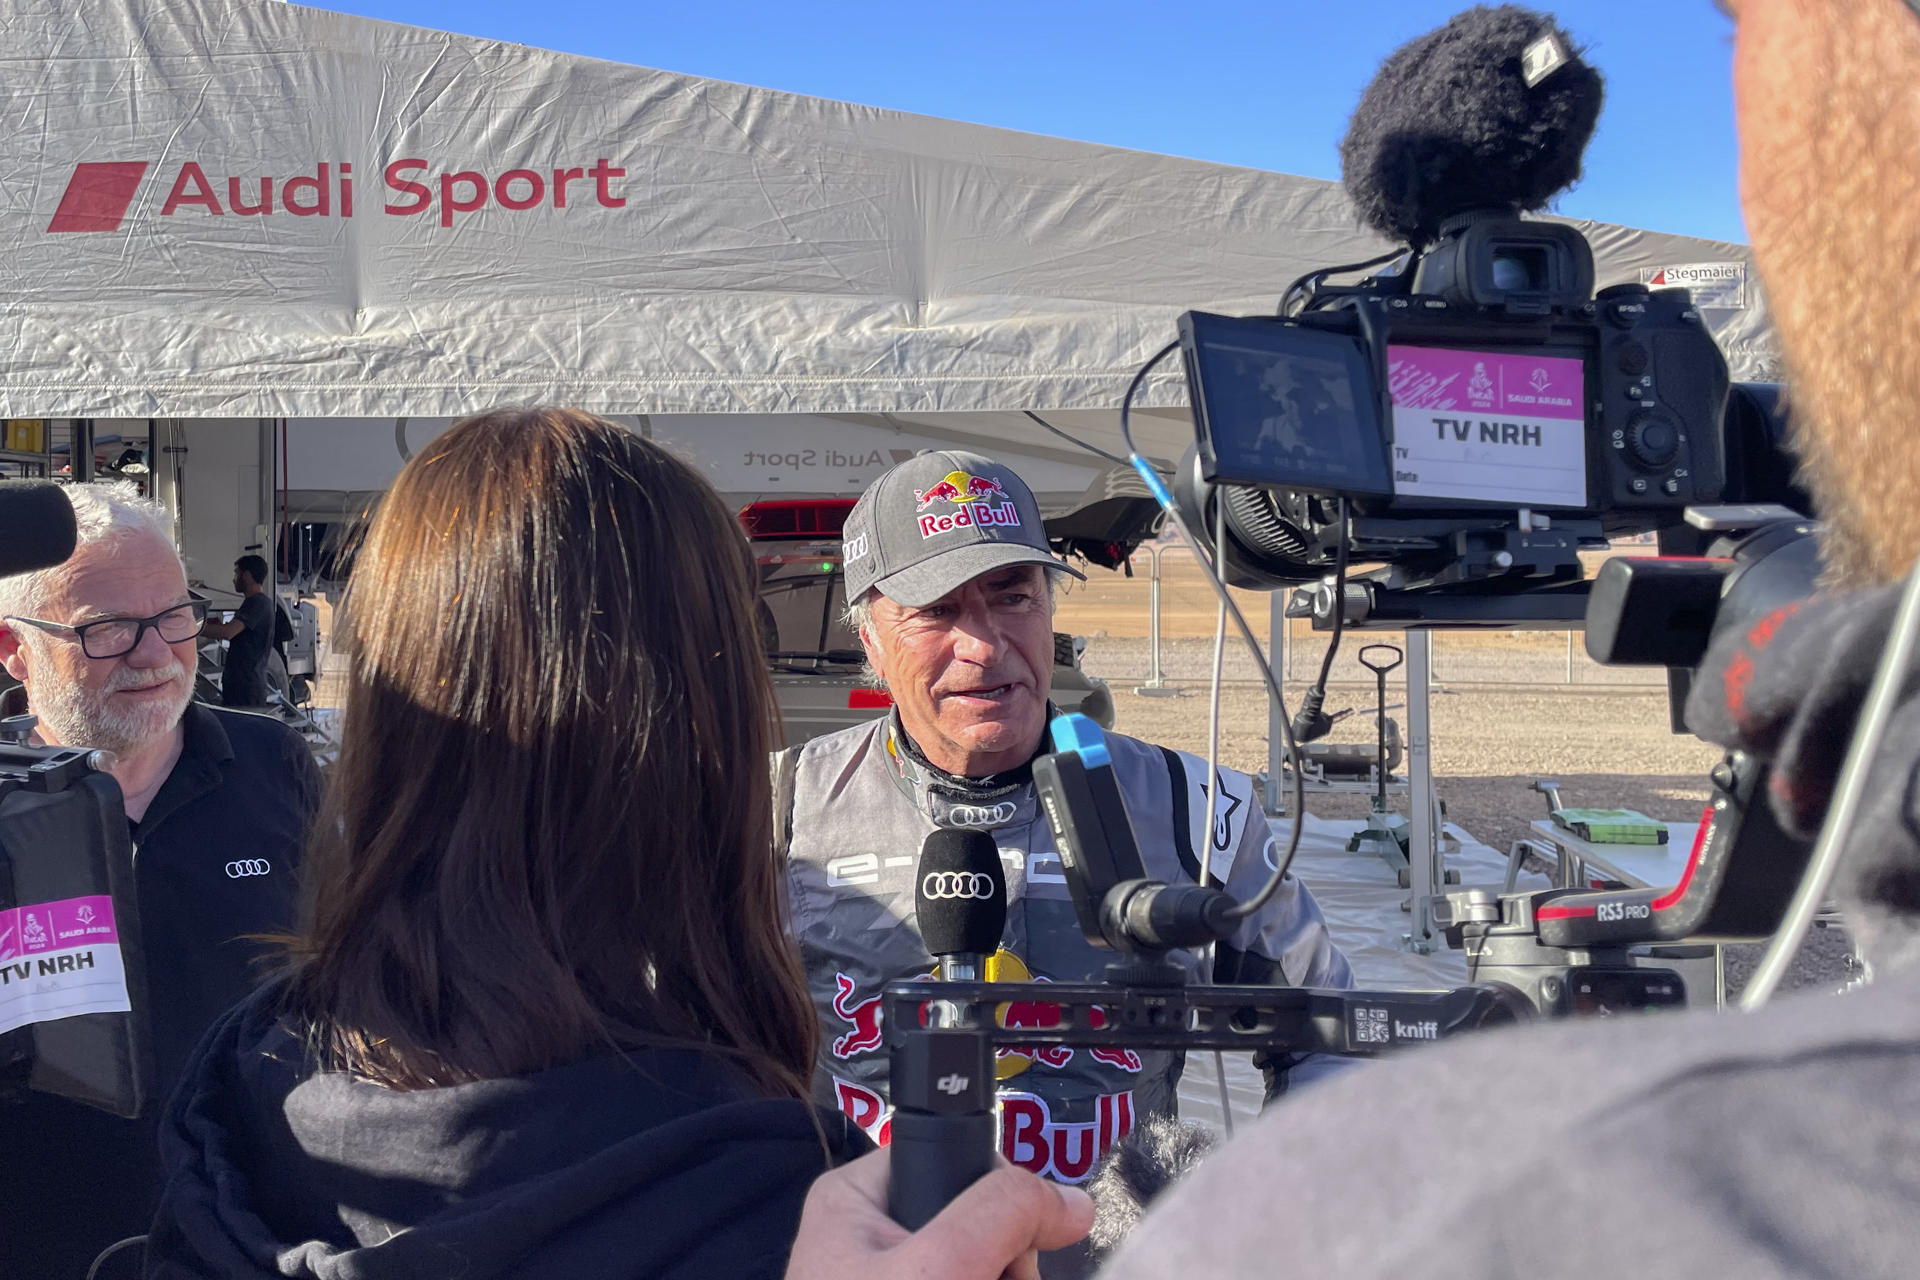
pixel 1482 411
pixel 1473 421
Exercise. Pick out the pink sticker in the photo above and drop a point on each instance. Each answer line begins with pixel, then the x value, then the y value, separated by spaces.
pixel 1483 382
pixel 52 926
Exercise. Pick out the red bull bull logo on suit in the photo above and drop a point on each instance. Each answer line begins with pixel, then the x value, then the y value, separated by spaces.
pixel 1004 966
pixel 864 1015
pixel 1029 1135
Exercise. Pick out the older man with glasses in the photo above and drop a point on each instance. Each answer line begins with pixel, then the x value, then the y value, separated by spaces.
pixel 218 804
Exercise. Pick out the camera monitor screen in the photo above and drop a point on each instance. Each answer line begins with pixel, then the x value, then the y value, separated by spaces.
pixel 1282 406
pixel 1505 427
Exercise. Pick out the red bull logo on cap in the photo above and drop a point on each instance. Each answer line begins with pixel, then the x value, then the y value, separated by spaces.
pixel 962 488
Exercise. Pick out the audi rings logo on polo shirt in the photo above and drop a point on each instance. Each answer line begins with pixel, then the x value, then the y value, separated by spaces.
pixel 976 815
pixel 977 885
pixel 248 867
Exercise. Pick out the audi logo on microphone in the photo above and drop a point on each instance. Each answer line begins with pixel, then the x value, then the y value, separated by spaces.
pixel 248 867
pixel 957 884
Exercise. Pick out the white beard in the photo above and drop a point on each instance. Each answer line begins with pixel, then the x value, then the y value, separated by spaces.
pixel 79 718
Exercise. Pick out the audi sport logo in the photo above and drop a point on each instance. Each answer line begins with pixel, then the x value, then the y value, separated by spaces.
pixel 248 867
pixel 975 815
pixel 939 885
pixel 99 193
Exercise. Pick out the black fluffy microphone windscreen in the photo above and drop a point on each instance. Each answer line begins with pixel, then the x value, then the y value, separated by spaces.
pixel 961 896
pixel 1492 110
pixel 36 526
pixel 1158 1153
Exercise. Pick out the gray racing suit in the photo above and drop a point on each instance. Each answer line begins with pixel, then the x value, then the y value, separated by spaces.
pixel 861 805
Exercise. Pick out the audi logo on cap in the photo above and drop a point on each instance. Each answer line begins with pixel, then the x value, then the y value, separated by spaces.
pixel 248 867
pixel 977 885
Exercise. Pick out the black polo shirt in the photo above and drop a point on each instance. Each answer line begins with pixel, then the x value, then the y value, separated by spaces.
pixel 214 859
pixel 243 679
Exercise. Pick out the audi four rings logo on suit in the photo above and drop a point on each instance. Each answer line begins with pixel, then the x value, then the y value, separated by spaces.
pixel 977 885
pixel 974 815
pixel 248 867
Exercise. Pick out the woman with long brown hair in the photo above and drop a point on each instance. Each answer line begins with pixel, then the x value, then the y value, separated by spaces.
pixel 541 1017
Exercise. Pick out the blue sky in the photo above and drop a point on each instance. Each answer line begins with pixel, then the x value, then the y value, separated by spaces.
pixel 1264 84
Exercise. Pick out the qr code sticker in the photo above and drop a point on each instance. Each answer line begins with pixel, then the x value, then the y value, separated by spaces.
pixel 1371 1026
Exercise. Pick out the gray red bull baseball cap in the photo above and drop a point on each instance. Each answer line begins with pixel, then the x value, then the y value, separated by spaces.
pixel 937 520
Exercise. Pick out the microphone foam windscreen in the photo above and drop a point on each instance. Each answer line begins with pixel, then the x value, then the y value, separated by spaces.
pixel 1465 117
pixel 36 526
pixel 960 898
pixel 1158 1153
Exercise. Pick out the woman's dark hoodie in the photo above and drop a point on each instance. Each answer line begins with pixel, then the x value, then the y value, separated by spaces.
pixel 655 1163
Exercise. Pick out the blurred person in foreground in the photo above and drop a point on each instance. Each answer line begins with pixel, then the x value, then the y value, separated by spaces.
pixel 1780 1143
pixel 218 804
pixel 540 1018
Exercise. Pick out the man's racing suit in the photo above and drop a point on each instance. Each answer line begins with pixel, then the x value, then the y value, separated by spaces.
pixel 862 803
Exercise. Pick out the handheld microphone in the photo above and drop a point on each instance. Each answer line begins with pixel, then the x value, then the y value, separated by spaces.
pixel 37 529
pixel 944 1135
pixel 960 901
pixel 1492 110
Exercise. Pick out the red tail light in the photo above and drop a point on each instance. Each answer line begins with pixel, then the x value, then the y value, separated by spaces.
pixel 795 518
pixel 869 700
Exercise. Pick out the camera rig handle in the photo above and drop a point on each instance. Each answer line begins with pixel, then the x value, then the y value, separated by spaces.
pixel 942 1078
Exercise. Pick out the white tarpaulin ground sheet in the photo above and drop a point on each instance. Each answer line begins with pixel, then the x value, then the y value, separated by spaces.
pixel 239 208
pixel 1362 903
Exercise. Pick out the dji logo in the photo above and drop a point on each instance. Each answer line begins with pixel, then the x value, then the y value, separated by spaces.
pixel 951 1085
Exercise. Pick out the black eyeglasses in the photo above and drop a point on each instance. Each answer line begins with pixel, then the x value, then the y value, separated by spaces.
pixel 115 637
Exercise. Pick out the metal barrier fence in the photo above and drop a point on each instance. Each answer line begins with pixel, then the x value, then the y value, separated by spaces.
pixel 1156 629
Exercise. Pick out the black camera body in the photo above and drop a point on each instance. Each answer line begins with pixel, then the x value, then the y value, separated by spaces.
pixel 1485 416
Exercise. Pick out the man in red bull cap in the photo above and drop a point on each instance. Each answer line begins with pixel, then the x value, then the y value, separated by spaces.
pixel 950 583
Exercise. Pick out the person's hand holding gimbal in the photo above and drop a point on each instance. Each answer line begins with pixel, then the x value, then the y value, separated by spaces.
pixel 994 1228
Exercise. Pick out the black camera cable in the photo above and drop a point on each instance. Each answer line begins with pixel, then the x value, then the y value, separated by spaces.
pixel 1311 722
pixel 1093 449
pixel 1313 278
pixel 1158 488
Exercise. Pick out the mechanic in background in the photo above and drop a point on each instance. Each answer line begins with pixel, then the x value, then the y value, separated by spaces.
pixel 249 637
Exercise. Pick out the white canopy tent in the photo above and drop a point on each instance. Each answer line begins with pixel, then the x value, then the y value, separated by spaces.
pixel 233 222
pixel 244 209
pixel 225 212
